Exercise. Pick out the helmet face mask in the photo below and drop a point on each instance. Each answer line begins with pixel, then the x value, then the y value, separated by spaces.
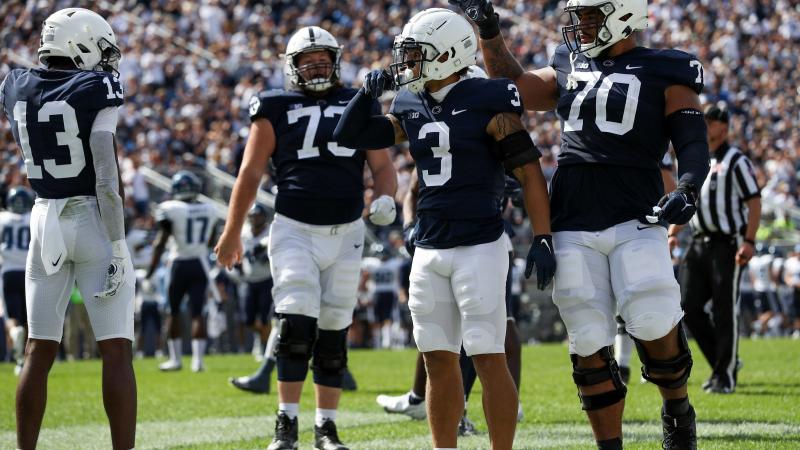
pixel 435 44
pixel 597 25
pixel 315 75
pixel 315 69
pixel 409 59
pixel 185 186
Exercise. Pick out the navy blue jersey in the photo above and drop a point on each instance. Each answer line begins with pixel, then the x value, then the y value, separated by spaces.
pixel 319 182
pixel 614 134
pixel 460 181
pixel 52 113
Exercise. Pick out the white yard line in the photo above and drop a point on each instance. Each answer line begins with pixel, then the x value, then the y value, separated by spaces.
pixel 152 435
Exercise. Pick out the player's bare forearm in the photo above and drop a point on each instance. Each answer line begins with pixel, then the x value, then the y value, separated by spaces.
pixel 753 218
pixel 537 200
pixel 410 200
pixel 500 63
pixel 384 175
pixel 259 148
pixel 158 250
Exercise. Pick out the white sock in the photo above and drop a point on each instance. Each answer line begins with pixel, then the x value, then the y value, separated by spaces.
pixel 175 347
pixel 323 415
pixel 623 348
pixel 386 335
pixel 18 341
pixel 256 343
pixel 272 341
pixel 198 349
pixel 290 409
pixel 376 338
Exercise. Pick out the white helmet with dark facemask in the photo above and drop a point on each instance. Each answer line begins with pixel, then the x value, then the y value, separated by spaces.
pixel 305 40
pixel 609 21
pixel 434 44
pixel 82 36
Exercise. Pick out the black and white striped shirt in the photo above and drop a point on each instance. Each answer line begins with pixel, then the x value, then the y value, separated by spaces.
pixel 721 207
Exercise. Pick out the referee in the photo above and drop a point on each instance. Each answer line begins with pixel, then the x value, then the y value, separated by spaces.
pixel 724 230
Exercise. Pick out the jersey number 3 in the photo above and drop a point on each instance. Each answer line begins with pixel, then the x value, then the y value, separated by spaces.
pixel 68 137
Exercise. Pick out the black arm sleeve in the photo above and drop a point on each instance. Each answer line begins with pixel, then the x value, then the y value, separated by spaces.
pixel 359 128
pixel 516 150
pixel 687 130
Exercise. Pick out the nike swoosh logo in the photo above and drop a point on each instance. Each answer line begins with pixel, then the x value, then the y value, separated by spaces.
pixel 644 227
pixel 455 113
pixel 630 67
pixel 59 259
pixel 544 242
pixel 357 245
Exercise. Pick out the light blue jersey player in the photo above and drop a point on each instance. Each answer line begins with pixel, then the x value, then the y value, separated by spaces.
pixel 64 117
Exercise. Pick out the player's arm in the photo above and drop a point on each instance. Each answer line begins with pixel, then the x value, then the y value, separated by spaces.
pixel 515 148
pixel 539 88
pixel 109 198
pixel 259 148
pixel 359 127
pixel 410 213
pixel 160 244
pixel 382 211
pixel 687 130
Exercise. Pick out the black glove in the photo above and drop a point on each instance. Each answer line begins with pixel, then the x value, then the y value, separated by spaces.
pixel 678 206
pixel 377 81
pixel 541 255
pixel 482 13
pixel 409 237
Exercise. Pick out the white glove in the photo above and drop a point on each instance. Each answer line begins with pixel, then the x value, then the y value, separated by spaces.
pixel 382 211
pixel 116 276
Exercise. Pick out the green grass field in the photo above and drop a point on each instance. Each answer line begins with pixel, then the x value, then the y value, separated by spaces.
pixel 187 410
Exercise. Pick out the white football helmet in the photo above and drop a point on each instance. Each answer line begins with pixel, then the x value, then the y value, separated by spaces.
pixel 81 35
pixel 615 20
pixel 437 40
pixel 310 39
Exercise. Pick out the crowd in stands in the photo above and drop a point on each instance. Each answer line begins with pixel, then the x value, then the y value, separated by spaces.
pixel 190 68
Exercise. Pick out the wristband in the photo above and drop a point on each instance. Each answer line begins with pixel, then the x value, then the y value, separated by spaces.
pixel 750 241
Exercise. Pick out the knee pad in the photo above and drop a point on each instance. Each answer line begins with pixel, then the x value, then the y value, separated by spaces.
pixel 330 357
pixel 682 362
pixel 589 377
pixel 296 337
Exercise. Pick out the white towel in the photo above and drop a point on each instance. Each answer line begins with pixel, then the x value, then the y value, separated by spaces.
pixel 54 251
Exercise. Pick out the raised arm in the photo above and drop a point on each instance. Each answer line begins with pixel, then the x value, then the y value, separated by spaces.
pixel 359 127
pixel 538 89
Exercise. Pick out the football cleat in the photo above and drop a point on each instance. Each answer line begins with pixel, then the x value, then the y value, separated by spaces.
pixel 466 427
pixel 18 368
pixel 348 382
pixel 285 433
pixel 680 433
pixel 401 404
pixel 326 437
pixel 250 384
pixel 170 366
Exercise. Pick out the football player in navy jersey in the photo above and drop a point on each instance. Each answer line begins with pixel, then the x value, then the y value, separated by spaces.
pixel 64 117
pixel 619 104
pixel 463 132
pixel 317 237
